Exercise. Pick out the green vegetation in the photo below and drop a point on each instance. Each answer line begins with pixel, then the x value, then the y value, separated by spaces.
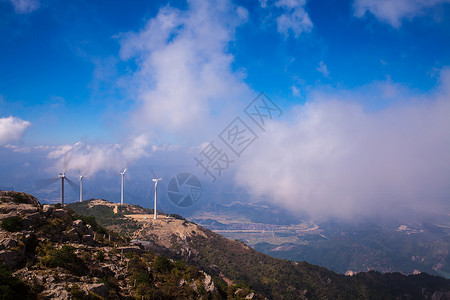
pixel 12 224
pixel 64 258
pixel 10 286
pixel 176 216
pixel 91 221
pixel 103 215
pixel 159 277
pixel 162 264
pixel 20 197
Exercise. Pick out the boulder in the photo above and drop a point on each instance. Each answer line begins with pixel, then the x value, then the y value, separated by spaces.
pixel 99 289
pixel 59 213
pixel 48 209
pixel 208 282
pixel 78 224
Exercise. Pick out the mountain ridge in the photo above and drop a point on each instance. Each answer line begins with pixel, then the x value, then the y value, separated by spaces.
pixel 136 248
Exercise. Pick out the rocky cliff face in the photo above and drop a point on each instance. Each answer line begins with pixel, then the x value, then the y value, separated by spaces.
pixel 60 255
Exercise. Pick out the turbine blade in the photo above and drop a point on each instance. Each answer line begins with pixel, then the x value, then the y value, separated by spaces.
pixel 67 159
pixel 45 182
pixel 72 184
pixel 153 172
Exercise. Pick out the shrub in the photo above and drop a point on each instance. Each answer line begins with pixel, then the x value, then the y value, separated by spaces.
pixel 144 276
pixel 177 216
pixel 91 221
pixel 162 264
pixel 76 292
pixel 64 258
pixel 12 224
pixel 19 198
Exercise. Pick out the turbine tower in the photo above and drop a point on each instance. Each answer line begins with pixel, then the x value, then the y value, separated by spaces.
pixel 62 176
pixel 121 191
pixel 81 188
pixel 156 184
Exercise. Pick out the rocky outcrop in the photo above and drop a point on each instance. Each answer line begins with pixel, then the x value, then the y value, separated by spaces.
pixel 62 258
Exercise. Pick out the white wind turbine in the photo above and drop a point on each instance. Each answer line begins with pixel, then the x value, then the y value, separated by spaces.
pixel 121 191
pixel 64 178
pixel 156 184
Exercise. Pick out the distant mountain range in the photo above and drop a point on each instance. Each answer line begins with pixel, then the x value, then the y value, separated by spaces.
pixel 408 244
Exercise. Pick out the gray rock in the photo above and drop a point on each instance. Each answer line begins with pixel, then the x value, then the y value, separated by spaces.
pixel 181 282
pixel 59 213
pixel 77 224
pixel 8 243
pixel 209 283
pixel 48 208
pixel 72 235
pixel 98 288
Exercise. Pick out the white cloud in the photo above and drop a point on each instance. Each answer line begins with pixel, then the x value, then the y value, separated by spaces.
pixel 336 157
pixel 25 6
pixel 184 78
pixel 322 68
pixel 92 158
pixel 294 18
pixel 394 12
pixel 12 129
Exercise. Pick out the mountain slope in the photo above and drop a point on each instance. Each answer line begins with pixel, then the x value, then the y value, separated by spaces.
pixel 234 262
pixel 49 252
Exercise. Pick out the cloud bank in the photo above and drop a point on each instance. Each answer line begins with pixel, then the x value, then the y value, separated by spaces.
pixel 335 157
pixel 12 129
pixel 88 159
pixel 184 72
pixel 394 12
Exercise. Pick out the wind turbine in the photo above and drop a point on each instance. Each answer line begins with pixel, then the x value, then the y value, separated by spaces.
pixel 156 184
pixel 121 191
pixel 64 178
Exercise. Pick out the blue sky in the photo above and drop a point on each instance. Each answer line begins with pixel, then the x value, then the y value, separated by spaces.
pixel 137 76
